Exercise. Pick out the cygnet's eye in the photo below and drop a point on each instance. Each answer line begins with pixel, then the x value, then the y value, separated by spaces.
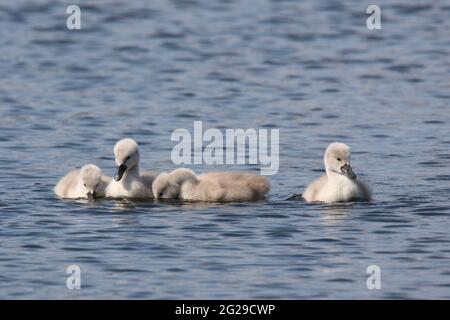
pixel 128 158
pixel 85 185
pixel 338 159
pixel 160 194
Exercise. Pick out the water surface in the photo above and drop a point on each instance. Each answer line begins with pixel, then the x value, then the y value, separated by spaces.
pixel 144 68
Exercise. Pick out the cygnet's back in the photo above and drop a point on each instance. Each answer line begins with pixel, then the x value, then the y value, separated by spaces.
pixel 184 184
pixel 67 186
pixel 235 186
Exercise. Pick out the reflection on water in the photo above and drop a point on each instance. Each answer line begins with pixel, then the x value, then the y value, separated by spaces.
pixel 144 68
pixel 336 213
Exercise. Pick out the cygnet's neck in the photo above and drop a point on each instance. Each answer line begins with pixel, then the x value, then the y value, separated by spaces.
pixel 336 177
pixel 80 183
pixel 131 174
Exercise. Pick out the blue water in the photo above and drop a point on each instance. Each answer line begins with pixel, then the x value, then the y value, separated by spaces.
pixel 144 68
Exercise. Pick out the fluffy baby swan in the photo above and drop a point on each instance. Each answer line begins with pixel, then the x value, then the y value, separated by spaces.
pixel 88 182
pixel 220 186
pixel 128 182
pixel 339 184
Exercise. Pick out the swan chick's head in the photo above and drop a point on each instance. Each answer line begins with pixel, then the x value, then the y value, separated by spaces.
pixel 169 185
pixel 126 153
pixel 337 160
pixel 91 176
pixel 164 187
